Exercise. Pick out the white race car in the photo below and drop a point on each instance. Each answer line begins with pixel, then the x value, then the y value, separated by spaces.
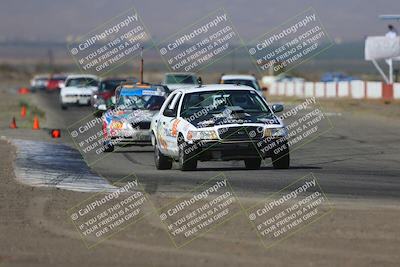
pixel 248 80
pixel 176 80
pixel 78 90
pixel 218 122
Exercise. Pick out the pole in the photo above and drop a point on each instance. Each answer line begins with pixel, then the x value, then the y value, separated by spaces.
pixel 380 71
pixel 141 66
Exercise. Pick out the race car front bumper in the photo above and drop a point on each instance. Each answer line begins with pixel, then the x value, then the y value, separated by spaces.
pixel 236 150
pixel 136 137
pixel 75 99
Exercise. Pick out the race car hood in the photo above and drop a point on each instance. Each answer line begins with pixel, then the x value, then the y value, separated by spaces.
pixel 130 116
pixel 234 118
pixel 78 90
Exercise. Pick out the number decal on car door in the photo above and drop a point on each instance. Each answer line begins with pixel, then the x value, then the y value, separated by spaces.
pixel 174 130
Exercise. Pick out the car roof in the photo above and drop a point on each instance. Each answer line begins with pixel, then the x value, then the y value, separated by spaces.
pixel 152 90
pixel 59 76
pixel 41 76
pixel 214 87
pixel 180 73
pixel 76 76
pixel 114 79
pixel 238 77
pixel 139 86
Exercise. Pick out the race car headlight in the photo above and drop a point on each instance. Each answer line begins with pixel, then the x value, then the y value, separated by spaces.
pixel 275 132
pixel 117 125
pixel 202 135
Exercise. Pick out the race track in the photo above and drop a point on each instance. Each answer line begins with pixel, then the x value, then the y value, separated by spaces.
pixel 356 158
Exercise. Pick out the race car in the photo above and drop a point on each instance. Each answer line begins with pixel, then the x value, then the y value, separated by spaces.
pixel 78 90
pixel 39 82
pixel 128 122
pixel 175 80
pixel 218 122
pixel 103 94
pixel 55 82
pixel 248 80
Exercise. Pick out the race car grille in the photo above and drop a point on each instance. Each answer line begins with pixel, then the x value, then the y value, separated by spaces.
pixel 145 125
pixel 240 133
pixel 80 95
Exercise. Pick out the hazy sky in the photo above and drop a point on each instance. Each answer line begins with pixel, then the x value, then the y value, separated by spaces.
pixel 55 19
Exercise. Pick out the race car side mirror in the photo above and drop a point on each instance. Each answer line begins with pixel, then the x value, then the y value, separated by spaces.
pixel 277 108
pixel 169 113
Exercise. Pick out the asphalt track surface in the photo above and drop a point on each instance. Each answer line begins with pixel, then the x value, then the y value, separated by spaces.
pixel 357 158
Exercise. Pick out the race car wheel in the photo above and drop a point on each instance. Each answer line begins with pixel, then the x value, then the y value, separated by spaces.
pixel 187 158
pixel 252 164
pixel 98 113
pixel 108 147
pixel 281 160
pixel 162 162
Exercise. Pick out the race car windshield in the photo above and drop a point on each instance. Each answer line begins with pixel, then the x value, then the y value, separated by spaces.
pixel 107 86
pixel 243 82
pixel 82 82
pixel 143 102
pixel 179 79
pixel 218 101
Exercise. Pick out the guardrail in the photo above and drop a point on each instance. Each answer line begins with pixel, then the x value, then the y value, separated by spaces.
pixel 346 89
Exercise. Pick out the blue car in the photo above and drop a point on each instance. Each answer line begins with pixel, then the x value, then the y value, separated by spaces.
pixel 336 77
pixel 128 122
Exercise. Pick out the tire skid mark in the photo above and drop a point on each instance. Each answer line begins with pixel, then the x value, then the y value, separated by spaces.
pixel 63 168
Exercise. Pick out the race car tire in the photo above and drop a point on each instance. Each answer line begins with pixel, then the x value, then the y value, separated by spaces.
pixel 187 160
pixel 98 113
pixel 252 164
pixel 162 162
pixel 282 159
pixel 108 148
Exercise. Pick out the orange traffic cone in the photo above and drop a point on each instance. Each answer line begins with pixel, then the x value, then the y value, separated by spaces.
pixel 23 91
pixel 13 124
pixel 23 111
pixel 36 123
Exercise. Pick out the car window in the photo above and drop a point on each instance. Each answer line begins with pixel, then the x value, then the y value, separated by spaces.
pixel 109 85
pixel 173 105
pixel 250 83
pixel 81 82
pixel 169 101
pixel 256 85
pixel 218 101
pixel 180 79
pixel 143 102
